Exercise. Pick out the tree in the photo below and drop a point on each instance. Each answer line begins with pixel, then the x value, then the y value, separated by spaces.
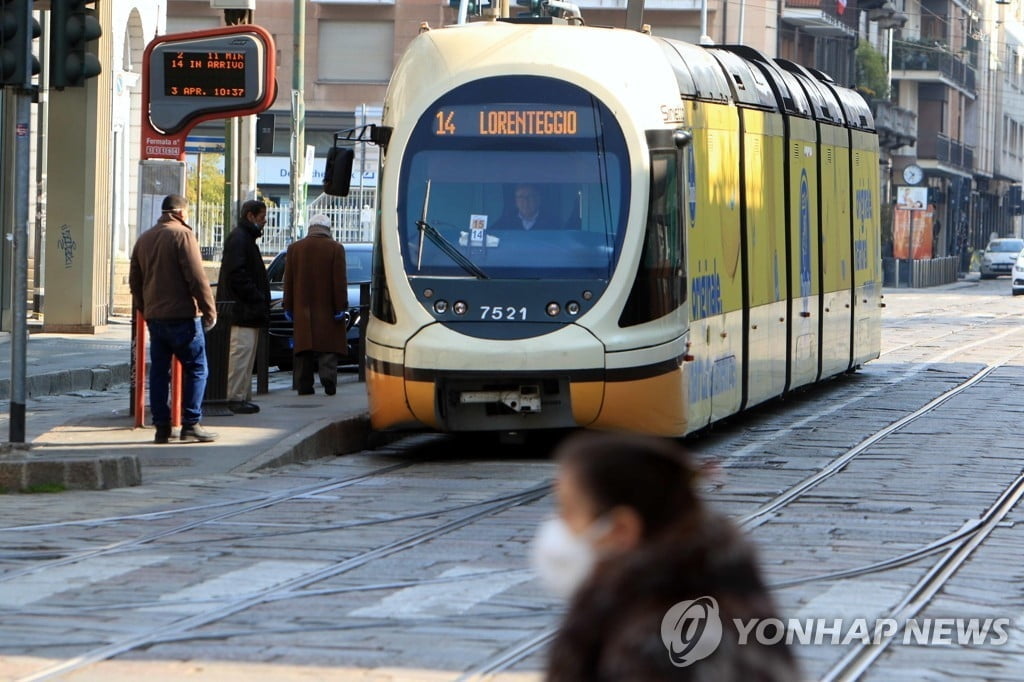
pixel 872 74
pixel 210 175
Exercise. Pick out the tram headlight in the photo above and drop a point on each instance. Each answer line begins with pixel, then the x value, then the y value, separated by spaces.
pixel 441 306
pixel 587 295
pixel 572 307
pixel 428 293
pixel 553 309
pixel 460 308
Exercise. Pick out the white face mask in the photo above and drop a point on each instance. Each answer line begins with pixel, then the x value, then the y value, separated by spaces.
pixel 562 559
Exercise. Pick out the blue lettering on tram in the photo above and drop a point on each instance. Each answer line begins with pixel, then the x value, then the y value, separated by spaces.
pixel 706 298
pixel 708 379
pixel 805 236
pixel 691 184
pixel 860 254
pixel 865 212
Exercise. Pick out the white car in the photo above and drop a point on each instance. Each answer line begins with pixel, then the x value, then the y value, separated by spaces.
pixel 1017 276
pixel 999 256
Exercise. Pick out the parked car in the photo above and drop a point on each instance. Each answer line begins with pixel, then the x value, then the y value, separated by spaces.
pixel 358 262
pixel 999 256
pixel 1017 276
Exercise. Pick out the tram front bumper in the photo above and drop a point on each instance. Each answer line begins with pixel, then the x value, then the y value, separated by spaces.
pixel 469 384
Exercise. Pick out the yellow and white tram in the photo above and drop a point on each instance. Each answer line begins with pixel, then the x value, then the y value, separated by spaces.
pixel 710 236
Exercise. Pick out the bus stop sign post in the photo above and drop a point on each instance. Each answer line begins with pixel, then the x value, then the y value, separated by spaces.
pixel 188 78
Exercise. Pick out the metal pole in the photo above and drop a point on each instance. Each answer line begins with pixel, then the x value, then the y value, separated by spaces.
pixel 888 66
pixel 19 325
pixel 229 176
pixel 43 114
pixel 298 146
pixel 634 15
pixel 705 39
pixel 198 220
pixel 743 8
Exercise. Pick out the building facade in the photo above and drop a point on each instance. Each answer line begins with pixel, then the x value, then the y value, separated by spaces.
pixel 949 100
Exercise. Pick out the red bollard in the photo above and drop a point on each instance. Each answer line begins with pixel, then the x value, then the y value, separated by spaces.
pixel 140 378
pixel 140 370
pixel 175 392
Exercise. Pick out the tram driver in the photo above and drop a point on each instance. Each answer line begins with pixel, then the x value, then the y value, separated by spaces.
pixel 530 213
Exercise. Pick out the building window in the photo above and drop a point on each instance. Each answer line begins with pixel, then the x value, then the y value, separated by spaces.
pixel 187 24
pixel 355 51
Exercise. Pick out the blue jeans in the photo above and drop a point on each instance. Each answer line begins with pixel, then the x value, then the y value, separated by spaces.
pixel 185 340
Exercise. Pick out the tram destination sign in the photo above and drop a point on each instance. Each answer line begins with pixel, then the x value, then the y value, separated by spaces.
pixel 208 74
pixel 513 120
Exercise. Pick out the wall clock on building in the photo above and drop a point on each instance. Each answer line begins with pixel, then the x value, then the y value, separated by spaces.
pixel 913 174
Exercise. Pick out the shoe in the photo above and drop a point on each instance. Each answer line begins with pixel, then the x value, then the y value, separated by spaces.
pixel 195 433
pixel 163 434
pixel 243 407
pixel 330 389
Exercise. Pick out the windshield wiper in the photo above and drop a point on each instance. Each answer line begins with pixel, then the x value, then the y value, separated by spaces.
pixel 448 248
pixel 440 242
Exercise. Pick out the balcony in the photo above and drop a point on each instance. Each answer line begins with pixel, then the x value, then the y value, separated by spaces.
pixel 946 152
pixel 932 64
pixel 824 18
pixel 897 127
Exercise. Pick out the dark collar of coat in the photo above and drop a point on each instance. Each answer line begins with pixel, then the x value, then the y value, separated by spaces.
pixel 250 229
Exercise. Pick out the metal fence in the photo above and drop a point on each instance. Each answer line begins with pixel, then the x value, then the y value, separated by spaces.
pixel 351 217
pixel 929 272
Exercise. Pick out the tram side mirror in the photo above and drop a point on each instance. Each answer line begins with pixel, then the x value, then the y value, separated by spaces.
pixel 338 171
pixel 682 138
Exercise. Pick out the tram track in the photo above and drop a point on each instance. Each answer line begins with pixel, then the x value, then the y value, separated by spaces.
pixel 760 515
pixel 290 586
pixel 262 503
pixel 956 548
pixel 860 659
pixel 759 443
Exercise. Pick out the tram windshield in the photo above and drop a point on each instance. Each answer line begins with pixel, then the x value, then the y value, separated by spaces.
pixel 525 188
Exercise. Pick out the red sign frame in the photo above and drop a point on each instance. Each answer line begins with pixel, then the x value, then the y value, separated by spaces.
pixel 158 145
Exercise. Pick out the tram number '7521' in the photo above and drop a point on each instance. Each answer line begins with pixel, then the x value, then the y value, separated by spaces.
pixel 498 312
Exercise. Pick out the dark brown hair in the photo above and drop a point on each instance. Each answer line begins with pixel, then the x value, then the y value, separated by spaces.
pixel 254 206
pixel 654 476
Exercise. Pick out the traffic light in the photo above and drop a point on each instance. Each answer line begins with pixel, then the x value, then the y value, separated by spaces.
pixel 17 30
pixel 72 27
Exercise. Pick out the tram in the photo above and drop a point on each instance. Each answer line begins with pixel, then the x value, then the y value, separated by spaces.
pixel 707 236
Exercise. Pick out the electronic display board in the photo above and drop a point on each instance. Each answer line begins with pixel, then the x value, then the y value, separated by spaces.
pixel 198 76
pixel 204 74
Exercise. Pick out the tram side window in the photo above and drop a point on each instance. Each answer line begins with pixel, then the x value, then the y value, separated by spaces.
pixel 660 284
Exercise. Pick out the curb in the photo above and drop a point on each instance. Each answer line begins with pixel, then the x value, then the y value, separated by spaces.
pixel 66 381
pixel 93 473
pixel 20 472
pixel 325 438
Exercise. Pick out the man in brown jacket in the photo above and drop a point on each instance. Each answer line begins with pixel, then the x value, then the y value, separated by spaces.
pixel 170 289
pixel 316 299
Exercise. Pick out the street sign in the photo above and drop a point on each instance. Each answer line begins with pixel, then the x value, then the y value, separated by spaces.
pixel 199 76
pixel 202 144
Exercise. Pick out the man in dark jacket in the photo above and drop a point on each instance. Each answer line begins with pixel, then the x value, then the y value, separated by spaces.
pixel 316 298
pixel 169 288
pixel 243 279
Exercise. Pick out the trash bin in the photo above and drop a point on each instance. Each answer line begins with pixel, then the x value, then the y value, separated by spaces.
pixel 218 346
